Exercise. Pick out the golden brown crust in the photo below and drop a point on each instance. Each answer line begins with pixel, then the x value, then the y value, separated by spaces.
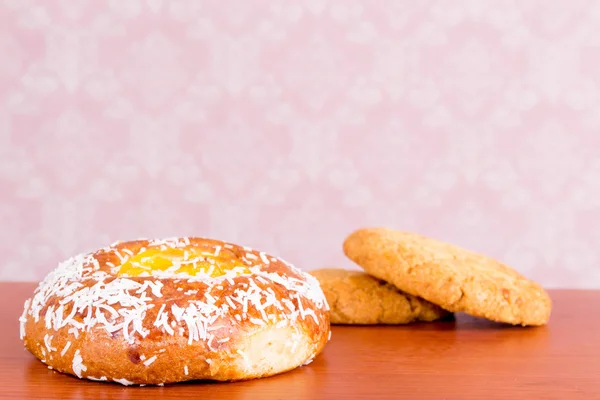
pixel 357 298
pixel 87 320
pixel 454 278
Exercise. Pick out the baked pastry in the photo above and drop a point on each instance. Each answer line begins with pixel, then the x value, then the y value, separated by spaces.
pixel 454 278
pixel 357 298
pixel 164 311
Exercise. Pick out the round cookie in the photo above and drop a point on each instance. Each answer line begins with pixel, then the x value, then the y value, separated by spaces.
pixel 456 279
pixel 357 298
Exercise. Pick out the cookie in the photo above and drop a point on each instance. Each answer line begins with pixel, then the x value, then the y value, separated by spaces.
pixel 357 298
pixel 454 278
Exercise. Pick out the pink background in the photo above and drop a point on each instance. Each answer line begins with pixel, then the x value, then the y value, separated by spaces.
pixel 285 125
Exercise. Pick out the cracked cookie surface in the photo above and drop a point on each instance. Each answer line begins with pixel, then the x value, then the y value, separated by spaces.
pixel 454 278
pixel 357 298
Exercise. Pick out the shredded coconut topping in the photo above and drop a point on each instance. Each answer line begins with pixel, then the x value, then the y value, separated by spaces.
pixel 23 319
pixel 123 382
pixel 150 361
pixel 78 366
pixel 102 378
pixel 64 350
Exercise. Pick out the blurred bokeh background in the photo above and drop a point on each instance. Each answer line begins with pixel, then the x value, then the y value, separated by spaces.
pixel 285 125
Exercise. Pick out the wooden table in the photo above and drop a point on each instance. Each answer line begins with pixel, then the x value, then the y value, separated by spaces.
pixel 465 358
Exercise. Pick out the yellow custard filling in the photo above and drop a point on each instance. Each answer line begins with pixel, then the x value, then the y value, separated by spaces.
pixel 191 261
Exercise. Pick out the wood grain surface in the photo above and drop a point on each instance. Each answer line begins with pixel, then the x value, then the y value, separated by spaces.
pixel 461 358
